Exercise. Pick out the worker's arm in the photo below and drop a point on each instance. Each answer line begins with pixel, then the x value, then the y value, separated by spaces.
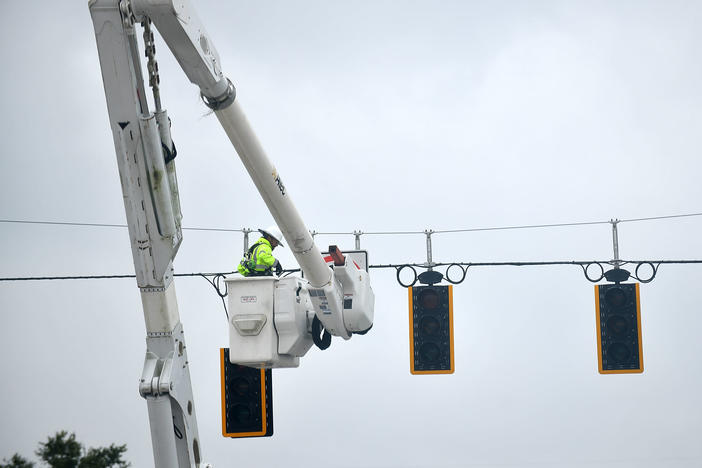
pixel 263 258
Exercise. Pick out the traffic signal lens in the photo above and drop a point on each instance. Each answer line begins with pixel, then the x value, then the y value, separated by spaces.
pixel 618 326
pixel 615 297
pixel 429 299
pixel 430 352
pixel 619 353
pixel 241 386
pixel 430 326
pixel 242 414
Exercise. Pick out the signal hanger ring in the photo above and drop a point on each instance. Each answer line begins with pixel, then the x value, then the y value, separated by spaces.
pixel 414 280
pixel 463 270
pixel 586 269
pixel 654 269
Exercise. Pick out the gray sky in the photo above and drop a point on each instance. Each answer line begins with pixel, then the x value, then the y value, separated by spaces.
pixel 440 115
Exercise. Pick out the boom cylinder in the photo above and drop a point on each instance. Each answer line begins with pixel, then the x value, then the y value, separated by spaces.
pixel 158 177
pixel 274 194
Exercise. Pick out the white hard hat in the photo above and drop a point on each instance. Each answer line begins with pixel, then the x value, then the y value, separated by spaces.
pixel 273 232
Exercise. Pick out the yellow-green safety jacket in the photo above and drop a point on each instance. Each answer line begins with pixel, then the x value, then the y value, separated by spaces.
pixel 258 260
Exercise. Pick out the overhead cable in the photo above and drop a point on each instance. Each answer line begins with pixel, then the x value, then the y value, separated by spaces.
pixel 437 231
pixel 20 221
pixel 89 277
pixel 219 275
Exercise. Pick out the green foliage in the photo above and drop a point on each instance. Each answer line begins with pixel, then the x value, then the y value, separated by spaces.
pixel 104 457
pixel 64 451
pixel 61 451
pixel 16 462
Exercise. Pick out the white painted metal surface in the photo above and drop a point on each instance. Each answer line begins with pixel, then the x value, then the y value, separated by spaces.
pixel 274 193
pixel 160 309
pixel 188 40
pixel 359 298
pixel 272 331
pixel 152 209
pixel 269 321
pixel 329 302
pixel 293 316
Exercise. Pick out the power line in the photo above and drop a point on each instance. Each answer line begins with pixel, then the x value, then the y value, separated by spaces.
pixel 659 217
pixel 438 231
pixel 51 278
pixel 396 266
pixel 533 226
pixel 22 221
pixel 90 277
pixel 50 223
pixel 528 226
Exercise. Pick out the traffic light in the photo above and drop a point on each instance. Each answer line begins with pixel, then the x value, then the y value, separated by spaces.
pixel 247 399
pixel 619 348
pixel 431 329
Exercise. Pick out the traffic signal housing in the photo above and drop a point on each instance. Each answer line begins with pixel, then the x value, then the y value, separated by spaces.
pixel 619 348
pixel 431 329
pixel 247 399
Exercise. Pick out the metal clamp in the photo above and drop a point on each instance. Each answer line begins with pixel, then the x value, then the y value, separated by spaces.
pixel 615 242
pixel 223 101
pixel 246 232
pixel 430 263
pixel 357 235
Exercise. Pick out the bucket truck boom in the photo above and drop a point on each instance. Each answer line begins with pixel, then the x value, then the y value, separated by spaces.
pixel 272 318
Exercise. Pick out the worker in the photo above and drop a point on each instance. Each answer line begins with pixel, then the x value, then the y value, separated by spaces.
pixel 259 259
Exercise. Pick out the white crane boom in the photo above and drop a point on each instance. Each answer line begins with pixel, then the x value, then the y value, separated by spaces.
pixel 339 297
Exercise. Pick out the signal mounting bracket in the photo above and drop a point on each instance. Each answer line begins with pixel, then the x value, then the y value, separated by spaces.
pixel 430 277
pixel 617 275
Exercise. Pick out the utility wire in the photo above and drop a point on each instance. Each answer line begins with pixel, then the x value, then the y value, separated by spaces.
pixel 438 231
pixel 379 266
pixel 501 228
pixel 534 226
pixel 22 221
pixel 49 278
pixel 219 274
pixel 659 217
pixel 19 221
pixel 86 277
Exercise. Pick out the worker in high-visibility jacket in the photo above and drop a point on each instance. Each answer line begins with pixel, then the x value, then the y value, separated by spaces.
pixel 259 259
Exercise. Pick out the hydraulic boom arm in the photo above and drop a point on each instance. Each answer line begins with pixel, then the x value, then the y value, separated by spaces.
pixel 340 296
pixel 195 52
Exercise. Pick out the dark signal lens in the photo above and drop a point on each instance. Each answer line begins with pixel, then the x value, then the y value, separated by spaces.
pixel 430 352
pixel 429 299
pixel 430 326
pixel 618 326
pixel 615 297
pixel 619 353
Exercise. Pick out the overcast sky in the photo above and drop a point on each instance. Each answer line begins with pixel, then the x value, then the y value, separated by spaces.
pixel 380 116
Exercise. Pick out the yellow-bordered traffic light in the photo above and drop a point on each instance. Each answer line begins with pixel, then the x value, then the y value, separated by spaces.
pixel 247 399
pixel 619 348
pixel 431 329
